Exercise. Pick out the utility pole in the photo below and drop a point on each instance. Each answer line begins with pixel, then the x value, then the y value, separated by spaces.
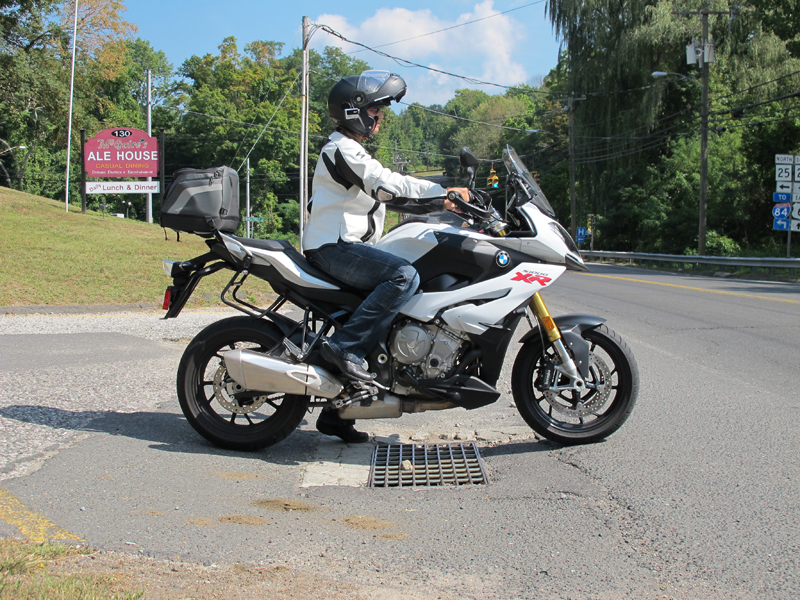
pixel 71 95
pixel 149 208
pixel 247 200
pixel 304 132
pixel 704 65
pixel 704 59
pixel 573 202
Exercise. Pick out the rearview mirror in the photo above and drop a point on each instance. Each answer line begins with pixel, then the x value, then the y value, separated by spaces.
pixel 468 159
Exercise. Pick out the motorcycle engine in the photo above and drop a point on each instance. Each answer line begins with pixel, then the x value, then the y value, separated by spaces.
pixel 431 350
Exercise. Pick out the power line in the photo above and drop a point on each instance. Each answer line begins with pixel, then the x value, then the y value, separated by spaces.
pixel 455 26
pixel 408 63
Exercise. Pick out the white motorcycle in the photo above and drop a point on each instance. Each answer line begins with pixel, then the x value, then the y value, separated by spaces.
pixel 246 382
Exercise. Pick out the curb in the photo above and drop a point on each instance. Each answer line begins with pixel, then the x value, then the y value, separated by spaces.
pixel 45 309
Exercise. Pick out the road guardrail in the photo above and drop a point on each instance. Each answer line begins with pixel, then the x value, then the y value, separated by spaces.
pixel 725 262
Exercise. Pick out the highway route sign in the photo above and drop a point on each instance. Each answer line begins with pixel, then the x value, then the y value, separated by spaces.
pixel 782 210
pixel 796 211
pixel 797 172
pixel 784 159
pixel 784 172
pixel 784 186
pixel 795 225
pixel 780 197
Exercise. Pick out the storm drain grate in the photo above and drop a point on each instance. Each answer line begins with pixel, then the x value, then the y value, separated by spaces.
pixel 407 465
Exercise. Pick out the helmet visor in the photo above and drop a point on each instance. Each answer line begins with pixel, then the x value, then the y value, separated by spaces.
pixel 371 81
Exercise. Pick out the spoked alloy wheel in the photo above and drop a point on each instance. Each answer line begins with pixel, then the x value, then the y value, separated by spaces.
pixel 216 406
pixel 569 416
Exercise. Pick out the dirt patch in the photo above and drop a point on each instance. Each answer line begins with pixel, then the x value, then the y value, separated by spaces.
pixel 392 536
pixel 153 513
pixel 237 476
pixel 200 522
pixel 359 522
pixel 282 504
pixel 174 579
pixel 242 520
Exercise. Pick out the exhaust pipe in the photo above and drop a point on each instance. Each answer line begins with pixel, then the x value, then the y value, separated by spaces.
pixel 261 373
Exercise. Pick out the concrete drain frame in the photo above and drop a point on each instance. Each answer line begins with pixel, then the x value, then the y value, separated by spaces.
pixel 427 465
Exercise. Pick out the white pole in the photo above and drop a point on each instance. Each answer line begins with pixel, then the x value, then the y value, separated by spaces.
pixel 247 197
pixel 304 134
pixel 71 91
pixel 149 209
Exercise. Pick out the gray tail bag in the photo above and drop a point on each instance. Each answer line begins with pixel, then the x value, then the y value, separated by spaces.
pixel 202 200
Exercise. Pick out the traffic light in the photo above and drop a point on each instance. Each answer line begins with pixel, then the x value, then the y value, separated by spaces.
pixel 493 180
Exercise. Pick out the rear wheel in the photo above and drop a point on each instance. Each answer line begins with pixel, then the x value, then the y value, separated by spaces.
pixel 216 406
pixel 572 417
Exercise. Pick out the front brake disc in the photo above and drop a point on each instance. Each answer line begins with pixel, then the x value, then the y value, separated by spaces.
pixel 595 397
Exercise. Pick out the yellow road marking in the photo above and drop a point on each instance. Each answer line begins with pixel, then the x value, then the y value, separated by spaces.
pixel 31 524
pixel 697 289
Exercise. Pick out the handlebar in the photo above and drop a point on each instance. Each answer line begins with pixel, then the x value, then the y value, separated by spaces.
pixel 470 208
pixel 488 216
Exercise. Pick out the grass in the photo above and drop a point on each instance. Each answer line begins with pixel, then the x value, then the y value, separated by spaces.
pixel 25 573
pixel 51 257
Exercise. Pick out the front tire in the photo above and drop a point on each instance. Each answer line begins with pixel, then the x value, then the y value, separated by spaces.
pixel 570 417
pixel 236 420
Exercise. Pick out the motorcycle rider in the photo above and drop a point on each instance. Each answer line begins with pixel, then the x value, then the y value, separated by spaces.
pixel 351 191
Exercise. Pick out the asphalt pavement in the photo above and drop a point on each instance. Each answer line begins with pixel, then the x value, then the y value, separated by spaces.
pixel 695 497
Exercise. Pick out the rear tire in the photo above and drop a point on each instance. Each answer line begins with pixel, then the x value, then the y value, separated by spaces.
pixel 234 420
pixel 572 418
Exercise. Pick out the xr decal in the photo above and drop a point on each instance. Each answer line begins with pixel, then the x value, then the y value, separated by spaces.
pixel 530 278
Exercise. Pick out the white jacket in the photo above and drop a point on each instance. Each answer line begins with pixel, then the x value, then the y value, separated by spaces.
pixel 350 193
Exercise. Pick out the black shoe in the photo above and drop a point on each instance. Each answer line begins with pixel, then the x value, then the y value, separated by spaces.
pixel 330 423
pixel 348 368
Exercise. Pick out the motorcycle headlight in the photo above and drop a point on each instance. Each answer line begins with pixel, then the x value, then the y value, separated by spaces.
pixel 565 236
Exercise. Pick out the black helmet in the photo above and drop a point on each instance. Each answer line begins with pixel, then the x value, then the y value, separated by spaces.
pixel 352 96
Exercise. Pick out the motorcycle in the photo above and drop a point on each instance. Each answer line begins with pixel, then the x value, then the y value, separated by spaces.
pixel 246 382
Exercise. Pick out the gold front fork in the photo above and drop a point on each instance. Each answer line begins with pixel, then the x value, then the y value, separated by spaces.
pixel 567 366
pixel 541 312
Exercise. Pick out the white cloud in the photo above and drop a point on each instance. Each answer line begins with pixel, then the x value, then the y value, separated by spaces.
pixel 484 50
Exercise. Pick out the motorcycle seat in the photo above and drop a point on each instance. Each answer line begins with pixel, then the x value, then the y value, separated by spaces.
pixel 285 246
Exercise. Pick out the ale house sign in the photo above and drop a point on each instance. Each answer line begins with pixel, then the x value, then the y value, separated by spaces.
pixel 121 152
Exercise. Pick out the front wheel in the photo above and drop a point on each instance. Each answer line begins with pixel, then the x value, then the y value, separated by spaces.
pixel 572 417
pixel 216 407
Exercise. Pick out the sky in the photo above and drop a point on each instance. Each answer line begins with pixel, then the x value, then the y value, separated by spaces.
pixel 515 47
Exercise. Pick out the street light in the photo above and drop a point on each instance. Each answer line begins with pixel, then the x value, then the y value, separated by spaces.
pixel 10 148
pixel 127 208
pixel 701 233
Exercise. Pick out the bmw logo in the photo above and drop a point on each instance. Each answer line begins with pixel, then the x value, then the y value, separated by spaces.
pixel 502 259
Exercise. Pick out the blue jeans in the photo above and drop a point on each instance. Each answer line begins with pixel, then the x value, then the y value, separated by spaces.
pixel 365 267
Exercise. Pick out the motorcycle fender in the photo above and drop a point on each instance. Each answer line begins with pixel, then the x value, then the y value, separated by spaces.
pixel 571 327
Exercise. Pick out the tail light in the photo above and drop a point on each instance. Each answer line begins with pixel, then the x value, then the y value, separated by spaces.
pixel 167 298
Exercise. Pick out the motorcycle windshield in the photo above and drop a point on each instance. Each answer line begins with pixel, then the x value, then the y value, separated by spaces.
pixel 515 166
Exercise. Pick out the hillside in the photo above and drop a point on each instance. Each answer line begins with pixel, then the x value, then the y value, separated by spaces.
pixel 55 258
